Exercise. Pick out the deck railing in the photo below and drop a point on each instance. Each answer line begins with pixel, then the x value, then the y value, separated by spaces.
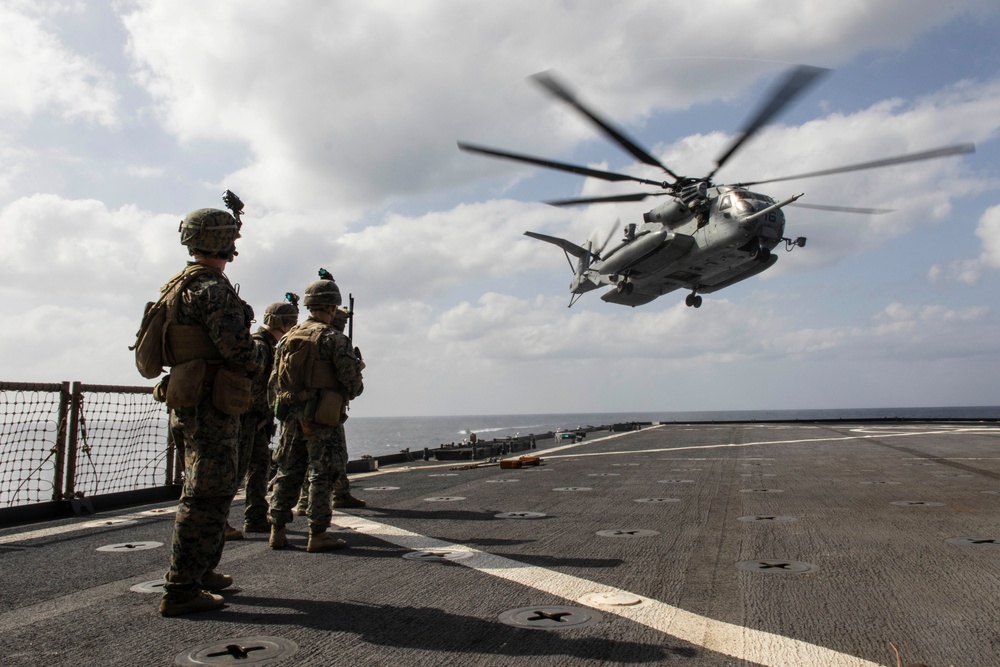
pixel 67 441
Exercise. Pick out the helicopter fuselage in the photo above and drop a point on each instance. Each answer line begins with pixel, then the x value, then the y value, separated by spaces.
pixel 702 245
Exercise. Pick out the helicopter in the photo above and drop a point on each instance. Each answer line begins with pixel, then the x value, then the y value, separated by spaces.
pixel 706 236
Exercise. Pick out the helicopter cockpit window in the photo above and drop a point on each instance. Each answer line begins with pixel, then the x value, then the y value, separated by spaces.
pixel 726 203
pixel 748 201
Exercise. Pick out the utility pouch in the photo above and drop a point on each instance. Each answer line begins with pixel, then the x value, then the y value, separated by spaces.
pixel 309 410
pixel 321 375
pixel 231 392
pixel 160 389
pixel 185 342
pixel 280 407
pixel 329 408
pixel 186 382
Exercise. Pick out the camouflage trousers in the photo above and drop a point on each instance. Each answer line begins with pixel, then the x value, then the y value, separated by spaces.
pixel 307 450
pixel 341 485
pixel 255 463
pixel 210 440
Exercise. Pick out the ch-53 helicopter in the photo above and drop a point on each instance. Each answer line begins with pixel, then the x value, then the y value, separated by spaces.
pixel 708 236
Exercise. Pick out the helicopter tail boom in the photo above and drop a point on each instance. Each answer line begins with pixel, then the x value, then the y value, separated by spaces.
pixel 582 279
pixel 577 251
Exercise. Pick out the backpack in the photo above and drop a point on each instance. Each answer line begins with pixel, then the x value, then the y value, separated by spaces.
pixel 295 362
pixel 151 337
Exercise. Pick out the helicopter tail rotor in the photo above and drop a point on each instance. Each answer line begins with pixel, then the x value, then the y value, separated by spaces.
pixel 592 250
pixel 607 239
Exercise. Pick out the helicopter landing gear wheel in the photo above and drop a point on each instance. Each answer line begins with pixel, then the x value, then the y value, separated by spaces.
pixel 624 287
pixel 693 300
pixel 760 253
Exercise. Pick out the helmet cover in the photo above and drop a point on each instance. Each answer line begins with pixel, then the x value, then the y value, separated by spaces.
pixel 322 293
pixel 211 232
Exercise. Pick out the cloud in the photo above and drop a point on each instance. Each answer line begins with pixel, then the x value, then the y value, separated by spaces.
pixel 989 233
pixel 348 105
pixel 142 171
pixel 79 250
pixel 424 256
pixel 523 353
pixel 38 74
pixel 966 271
pixel 86 342
pixel 505 329
pixel 970 271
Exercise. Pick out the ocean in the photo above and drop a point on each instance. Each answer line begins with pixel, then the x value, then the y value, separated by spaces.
pixel 378 436
pixel 107 468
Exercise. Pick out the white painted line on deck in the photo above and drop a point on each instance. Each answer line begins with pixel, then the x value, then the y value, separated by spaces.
pixel 755 646
pixel 90 522
pixel 548 450
pixel 661 450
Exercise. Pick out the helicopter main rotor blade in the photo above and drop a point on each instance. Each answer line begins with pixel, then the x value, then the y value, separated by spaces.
pixel 609 199
pixel 552 164
pixel 794 84
pixel 959 149
pixel 551 84
pixel 845 209
pixel 607 239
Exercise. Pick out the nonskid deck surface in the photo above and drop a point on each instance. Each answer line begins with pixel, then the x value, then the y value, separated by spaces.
pixel 708 545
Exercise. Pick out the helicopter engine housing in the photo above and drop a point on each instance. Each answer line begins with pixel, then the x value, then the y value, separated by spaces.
pixel 670 214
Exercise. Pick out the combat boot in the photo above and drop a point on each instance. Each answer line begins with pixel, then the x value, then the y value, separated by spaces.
pixel 279 539
pixel 324 542
pixel 232 533
pixel 259 526
pixel 213 582
pixel 348 501
pixel 202 601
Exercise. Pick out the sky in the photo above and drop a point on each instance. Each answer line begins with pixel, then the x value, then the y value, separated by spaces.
pixel 336 123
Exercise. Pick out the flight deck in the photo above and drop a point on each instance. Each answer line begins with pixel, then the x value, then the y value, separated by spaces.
pixel 820 544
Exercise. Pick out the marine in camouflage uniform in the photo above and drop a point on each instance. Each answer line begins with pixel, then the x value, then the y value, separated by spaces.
pixel 257 424
pixel 210 436
pixel 342 497
pixel 307 445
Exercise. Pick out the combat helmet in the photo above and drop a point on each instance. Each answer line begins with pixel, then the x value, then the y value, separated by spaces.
pixel 283 313
pixel 340 319
pixel 322 292
pixel 210 232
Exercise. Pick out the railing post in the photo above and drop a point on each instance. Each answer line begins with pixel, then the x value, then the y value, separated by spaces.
pixel 74 436
pixel 60 445
pixel 171 454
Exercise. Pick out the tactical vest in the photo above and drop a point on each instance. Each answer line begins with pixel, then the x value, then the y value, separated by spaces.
pixel 186 342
